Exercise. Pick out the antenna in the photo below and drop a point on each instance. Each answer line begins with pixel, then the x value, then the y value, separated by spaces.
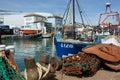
pixel 108 6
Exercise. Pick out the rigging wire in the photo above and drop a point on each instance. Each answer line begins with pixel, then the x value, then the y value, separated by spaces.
pixel 80 13
pixel 66 12
pixel 88 21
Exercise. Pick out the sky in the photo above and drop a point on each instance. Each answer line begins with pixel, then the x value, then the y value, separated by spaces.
pixel 92 8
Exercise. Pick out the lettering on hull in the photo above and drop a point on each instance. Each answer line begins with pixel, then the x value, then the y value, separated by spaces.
pixel 63 45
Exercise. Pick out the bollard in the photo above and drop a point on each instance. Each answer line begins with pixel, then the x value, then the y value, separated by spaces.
pixel 44 62
pixel 44 59
pixel 31 68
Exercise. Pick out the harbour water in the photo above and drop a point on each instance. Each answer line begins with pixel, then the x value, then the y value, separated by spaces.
pixel 30 47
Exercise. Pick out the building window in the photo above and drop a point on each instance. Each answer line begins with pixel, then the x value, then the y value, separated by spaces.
pixel 28 19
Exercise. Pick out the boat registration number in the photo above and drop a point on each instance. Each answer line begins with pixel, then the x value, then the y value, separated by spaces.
pixel 66 45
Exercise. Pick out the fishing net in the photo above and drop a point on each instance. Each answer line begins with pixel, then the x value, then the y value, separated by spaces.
pixel 7 72
pixel 81 64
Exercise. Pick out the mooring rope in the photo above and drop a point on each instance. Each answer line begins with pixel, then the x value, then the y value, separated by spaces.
pixel 44 68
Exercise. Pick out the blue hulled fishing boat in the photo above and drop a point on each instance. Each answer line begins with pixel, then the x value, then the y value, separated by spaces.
pixel 65 48
pixel 70 45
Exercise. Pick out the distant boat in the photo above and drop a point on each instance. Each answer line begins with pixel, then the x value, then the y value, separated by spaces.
pixel 5 30
pixel 65 47
pixel 109 22
pixel 27 30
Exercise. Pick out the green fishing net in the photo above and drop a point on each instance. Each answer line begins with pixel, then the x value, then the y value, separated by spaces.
pixel 7 72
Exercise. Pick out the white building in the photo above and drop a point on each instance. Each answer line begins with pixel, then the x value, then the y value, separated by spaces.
pixel 17 19
pixel 55 20
pixel 33 23
pixel 34 20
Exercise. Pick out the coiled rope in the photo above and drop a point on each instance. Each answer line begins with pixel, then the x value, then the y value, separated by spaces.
pixel 40 68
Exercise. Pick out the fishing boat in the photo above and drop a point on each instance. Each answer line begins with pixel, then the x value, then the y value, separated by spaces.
pixel 27 30
pixel 65 47
pixel 109 22
pixel 6 30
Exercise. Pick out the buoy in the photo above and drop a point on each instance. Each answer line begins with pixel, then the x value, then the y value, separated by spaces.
pixel 31 69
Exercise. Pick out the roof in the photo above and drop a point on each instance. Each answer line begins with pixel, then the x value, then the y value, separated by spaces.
pixel 54 17
pixel 38 21
pixel 29 15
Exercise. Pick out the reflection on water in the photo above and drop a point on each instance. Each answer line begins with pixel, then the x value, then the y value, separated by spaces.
pixel 32 48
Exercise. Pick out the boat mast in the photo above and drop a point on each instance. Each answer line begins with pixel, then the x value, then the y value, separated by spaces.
pixel 66 15
pixel 71 5
pixel 74 23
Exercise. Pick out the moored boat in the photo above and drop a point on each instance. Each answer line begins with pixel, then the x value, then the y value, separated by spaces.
pixel 64 47
pixel 27 30
pixel 109 22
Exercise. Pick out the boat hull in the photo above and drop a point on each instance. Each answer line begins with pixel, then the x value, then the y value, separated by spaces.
pixel 66 48
pixel 31 31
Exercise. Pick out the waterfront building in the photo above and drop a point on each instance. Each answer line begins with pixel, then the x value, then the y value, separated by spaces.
pixel 17 19
pixel 55 20
pixel 14 20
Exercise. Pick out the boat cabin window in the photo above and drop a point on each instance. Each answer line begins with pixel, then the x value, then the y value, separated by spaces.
pixel 25 27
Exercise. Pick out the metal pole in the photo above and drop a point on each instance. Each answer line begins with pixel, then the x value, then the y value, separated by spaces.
pixel 74 18
pixel 66 13
pixel 0 36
